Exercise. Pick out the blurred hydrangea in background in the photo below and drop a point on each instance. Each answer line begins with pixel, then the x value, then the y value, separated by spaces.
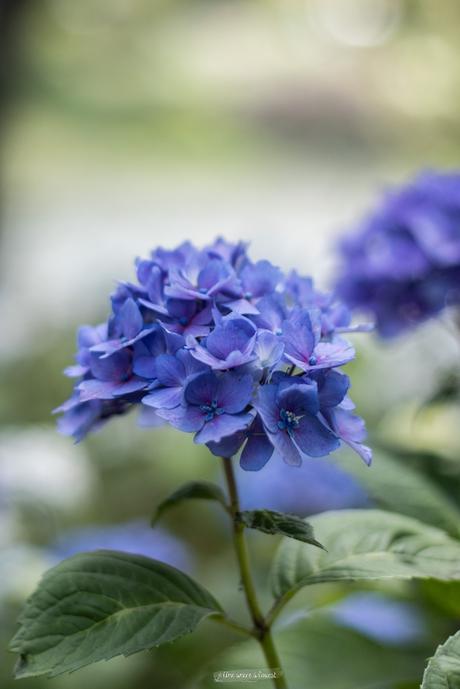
pixel 402 265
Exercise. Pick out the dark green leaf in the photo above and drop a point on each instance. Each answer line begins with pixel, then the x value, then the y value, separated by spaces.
pixel 443 670
pixel 365 545
pixel 97 605
pixel 279 523
pixel 201 490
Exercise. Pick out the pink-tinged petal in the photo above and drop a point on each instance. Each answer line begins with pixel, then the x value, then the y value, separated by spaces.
pixel 222 426
pixel 299 363
pixel 187 419
pixel 166 398
pixel 363 451
pixel 331 354
pixel 96 389
pixel 313 438
pixel 286 448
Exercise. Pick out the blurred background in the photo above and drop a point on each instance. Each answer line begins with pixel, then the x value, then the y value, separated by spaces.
pixel 128 124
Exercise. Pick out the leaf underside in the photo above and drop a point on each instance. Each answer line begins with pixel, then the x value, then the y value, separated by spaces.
pixel 97 605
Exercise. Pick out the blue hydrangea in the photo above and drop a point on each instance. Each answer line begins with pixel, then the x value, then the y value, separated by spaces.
pixel 402 264
pixel 242 356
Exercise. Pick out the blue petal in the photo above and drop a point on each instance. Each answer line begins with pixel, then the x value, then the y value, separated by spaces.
pixel 164 398
pixel 313 438
pixel 170 371
pixel 222 426
pixel 266 405
pixel 202 388
pixel 187 419
pixel 234 392
pixel 299 398
pixel 257 450
pixel 286 448
pixel 332 388
pixel 130 319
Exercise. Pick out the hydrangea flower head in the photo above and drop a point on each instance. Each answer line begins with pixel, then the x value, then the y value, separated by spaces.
pixel 403 262
pixel 235 352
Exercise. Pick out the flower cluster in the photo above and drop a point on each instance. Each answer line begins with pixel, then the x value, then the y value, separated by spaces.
pixel 403 263
pixel 230 350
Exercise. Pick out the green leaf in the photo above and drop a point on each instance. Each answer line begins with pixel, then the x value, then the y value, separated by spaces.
pixel 272 522
pixel 97 605
pixel 443 669
pixel 201 490
pixel 318 653
pixel 364 545
pixel 398 487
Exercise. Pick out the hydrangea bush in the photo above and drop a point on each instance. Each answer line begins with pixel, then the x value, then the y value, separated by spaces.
pixel 248 360
pixel 402 264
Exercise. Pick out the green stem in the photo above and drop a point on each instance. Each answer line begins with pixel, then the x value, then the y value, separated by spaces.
pixel 262 630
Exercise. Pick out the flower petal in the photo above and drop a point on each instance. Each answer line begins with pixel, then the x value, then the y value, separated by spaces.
pixel 313 438
pixel 221 426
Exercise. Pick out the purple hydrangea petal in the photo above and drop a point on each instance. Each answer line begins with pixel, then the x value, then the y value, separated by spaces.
pixel 145 366
pixel 130 319
pixel 234 392
pixel 268 348
pixel 233 335
pixel 221 426
pixel 299 398
pixel 169 370
pixel 266 405
pixel 187 419
pixel 227 447
pixel 242 307
pixel 114 368
pixel 313 438
pixel 284 444
pixel 130 386
pixel 164 398
pixel 202 388
pixel 332 388
pixel 96 389
pixel 258 448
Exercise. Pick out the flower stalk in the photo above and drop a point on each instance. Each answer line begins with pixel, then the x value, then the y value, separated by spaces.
pixel 262 629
